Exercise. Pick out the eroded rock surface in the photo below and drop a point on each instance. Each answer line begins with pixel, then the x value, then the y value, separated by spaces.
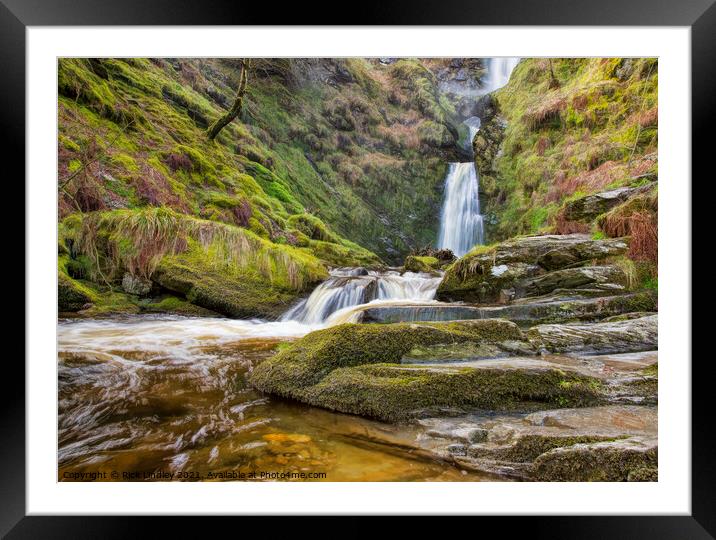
pixel 562 306
pixel 621 336
pixel 521 266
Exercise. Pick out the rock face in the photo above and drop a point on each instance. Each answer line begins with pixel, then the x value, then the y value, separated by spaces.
pixel 554 309
pixel 520 267
pixel 589 207
pixel 630 335
pixel 136 285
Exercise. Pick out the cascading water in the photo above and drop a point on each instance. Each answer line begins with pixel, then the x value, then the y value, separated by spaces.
pixel 347 289
pixel 461 223
pixel 499 71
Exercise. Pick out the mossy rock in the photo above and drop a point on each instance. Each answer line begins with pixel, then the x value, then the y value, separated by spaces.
pixel 617 461
pixel 484 273
pixel 71 294
pixel 354 369
pixel 529 447
pixel 414 263
pixel 240 296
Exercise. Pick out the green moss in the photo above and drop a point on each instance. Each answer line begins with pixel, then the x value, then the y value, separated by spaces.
pixel 72 295
pixel 312 227
pixel 343 254
pixel 596 462
pixel 348 368
pixel 414 263
pixel 125 161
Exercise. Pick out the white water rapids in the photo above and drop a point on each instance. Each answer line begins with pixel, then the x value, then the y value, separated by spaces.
pixel 334 301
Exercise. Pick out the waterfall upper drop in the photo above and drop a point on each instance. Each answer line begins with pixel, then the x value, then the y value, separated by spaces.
pixel 461 224
pixel 499 71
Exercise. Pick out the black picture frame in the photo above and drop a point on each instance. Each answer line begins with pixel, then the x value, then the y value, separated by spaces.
pixel 16 15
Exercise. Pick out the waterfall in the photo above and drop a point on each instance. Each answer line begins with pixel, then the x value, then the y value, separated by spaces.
pixel 346 288
pixel 461 224
pixel 499 71
pixel 461 221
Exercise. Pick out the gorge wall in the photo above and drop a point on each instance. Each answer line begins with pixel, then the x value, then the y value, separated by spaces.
pixel 361 145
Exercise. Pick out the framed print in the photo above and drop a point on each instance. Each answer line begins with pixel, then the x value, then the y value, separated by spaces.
pixel 406 267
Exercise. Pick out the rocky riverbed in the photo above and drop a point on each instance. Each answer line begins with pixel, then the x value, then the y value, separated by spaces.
pixel 546 370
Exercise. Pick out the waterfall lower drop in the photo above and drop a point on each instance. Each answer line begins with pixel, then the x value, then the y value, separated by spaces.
pixel 461 224
pixel 350 288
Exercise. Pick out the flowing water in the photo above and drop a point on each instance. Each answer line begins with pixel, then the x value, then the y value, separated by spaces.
pixel 167 398
pixel 461 223
pixel 499 70
pixel 348 288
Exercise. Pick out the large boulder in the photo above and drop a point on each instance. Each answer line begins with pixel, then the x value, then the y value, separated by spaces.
pixel 590 206
pixel 355 369
pixel 237 296
pixel 492 274
pixel 622 336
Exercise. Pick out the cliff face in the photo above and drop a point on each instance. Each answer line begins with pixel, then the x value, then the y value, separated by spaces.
pixel 360 146
pixel 563 130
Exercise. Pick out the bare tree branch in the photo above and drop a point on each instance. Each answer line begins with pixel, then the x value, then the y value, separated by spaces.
pixel 235 110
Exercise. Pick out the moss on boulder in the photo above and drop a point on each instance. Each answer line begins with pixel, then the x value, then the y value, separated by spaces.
pixel 354 369
pixel 234 295
pixel 485 272
pixel 630 459
pixel 71 294
pixel 414 263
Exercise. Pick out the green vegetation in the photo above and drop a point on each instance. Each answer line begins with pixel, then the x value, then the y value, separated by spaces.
pixel 354 368
pixel 596 129
pixel 415 263
pixel 359 155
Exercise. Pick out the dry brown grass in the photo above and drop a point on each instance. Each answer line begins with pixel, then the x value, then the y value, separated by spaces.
pixel 637 218
pixel 588 181
pixel 566 226
pixel 545 112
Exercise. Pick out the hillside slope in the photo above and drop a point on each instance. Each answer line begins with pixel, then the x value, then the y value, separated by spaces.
pixel 361 145
pixel 559 131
